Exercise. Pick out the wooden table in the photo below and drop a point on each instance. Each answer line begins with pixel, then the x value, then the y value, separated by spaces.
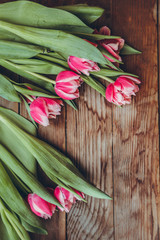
pixel 116 149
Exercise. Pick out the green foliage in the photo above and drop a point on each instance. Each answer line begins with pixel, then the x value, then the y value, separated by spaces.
pixel 7 90
pixel 64 43
pixel 9 50
pixel 87 14
pixel 128 50
pixel 51 160
pixel 29 13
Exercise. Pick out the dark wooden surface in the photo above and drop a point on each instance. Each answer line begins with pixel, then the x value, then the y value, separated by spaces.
pixel 116 149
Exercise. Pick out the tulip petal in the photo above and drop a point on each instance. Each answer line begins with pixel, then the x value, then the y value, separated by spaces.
pixel 39 206
pixel 67 83
pixel 42 109
pixel 109 92
pixel 82 65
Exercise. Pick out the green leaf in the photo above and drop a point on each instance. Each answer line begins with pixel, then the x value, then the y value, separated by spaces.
pixel 71 103
pixel 53 161
pixel 87 14
pixel 31 228
pixel 14 201
pixel 38 66
pixel 111 73
pixel 64 43
pixel 26 176
pixel 95 85
pixel 94 37
pixel 21 186
pixel 33 14
pixel 7 232
pixel 127 50
pixel 7 90
pixel 16 225
pixel 36 90
pixel 13 144
pixel 25 91
pixel 50 57
pixel 55 55
pixel 9 50
pixel 36 78
pixel 5 35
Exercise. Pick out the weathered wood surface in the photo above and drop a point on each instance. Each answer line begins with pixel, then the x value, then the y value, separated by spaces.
pixel 116 149
pixel 135 128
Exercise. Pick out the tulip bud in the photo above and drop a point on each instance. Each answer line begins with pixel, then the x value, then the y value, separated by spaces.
pixel 82 65
pixel 67 84
pixel 122 89
pixel 113 46
pixel 42 109
pixel 40 207
pixel 66 198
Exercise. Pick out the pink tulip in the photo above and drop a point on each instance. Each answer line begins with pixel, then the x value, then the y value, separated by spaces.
pixel 42 109
pixel 113 46
pixel 66 198
pixel 67 84
pixel 40 207
pixel 82 65
pixel 122 89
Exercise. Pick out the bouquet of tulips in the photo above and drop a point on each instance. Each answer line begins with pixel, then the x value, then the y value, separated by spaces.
pixel 55 55
pixel 20 150
pixel 37 42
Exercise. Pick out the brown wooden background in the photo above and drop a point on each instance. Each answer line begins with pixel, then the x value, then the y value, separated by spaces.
pixel 117 149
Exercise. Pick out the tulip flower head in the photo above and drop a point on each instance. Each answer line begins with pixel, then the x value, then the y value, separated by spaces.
pixel 82 65
pixel 40 207
pixel 113 46
pixel 67 83
pixel 66 198
pixel 42 109
pixel 122 89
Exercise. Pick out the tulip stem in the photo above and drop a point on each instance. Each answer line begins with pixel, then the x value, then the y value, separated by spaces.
pixel 104 77
pixel 42 77
pixel 16 68
pixel 28 97
pixel 53 59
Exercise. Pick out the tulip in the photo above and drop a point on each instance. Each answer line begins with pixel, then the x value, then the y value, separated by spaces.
pixel 82 65
pixel 113 46
pixel 42 109
pixel 122 89
pixel 66 198
pixel 67 84
pixel 40 207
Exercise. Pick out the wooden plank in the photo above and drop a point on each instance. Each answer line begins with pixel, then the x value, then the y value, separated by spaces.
pixel 89 142
pixel 157 14
pixel 135 127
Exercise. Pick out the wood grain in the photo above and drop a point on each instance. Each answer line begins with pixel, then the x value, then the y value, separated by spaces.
pixel 135 127
pixel 158 45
